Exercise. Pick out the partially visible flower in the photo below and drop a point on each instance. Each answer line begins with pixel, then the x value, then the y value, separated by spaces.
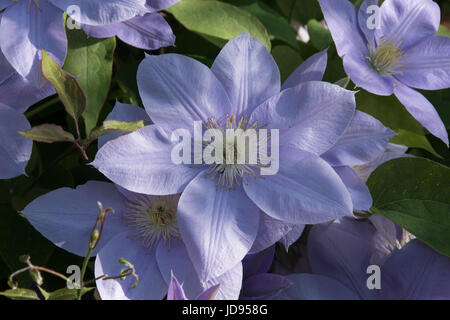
pixel 362 145
pixel 340 253
pixel 149 31
pixel 258 284
pixel 39 24
pixel 396 55
pixel 221 205
pixel 176 291
pixel 143 230
pixel 16 96
pixel 15 150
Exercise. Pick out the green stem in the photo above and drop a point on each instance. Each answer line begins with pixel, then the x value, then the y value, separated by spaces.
pixel 83 271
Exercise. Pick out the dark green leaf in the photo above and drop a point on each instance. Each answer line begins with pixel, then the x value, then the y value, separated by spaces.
pixel 48 133
pixel 415 194
pixel 20 294
pixel 67 294
pixel 91 60
pixel 217 21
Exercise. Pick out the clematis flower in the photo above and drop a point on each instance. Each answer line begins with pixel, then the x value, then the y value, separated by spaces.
pixel 361 145
pixel 149 31
pixel 176 291
pixel 143 229
pixel 15 150
pixel 220 206
pixel 396 56
pixel 258 284
pixel 340 254
pixel 134 21
pixel 16 95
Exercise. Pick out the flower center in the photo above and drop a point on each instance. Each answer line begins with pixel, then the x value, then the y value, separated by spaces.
pixel 387 58
pixel 153 218
pixel 239 148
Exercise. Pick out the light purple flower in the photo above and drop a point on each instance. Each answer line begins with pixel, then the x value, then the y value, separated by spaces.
pixel 218 214
pixel 258 284
pixel 363 142
pixel 176 291
pixel 16 95
pixel 340 253
pixel 143 230
pixel 16 91
pixel 399 54
pixel 149 31
pixel 15 150
pixel 38 25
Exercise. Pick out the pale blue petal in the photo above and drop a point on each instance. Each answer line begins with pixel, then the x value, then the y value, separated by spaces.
pixel 148 32
pixel 362 200
pixel 364 140
pixel 151 284
pixel 428 65
pixel 315 287
pixel 408 21
pixel 173 258
pixel 100 12
pixel 248 72
pixel 270 231
pixel 343 251
pixel 306 190
pixel 141 162
pixel 15 150
pixel 311 116
pixel 33 29
pixel 218 226
pixel 421 109
pixel 262 286
pixel 364 76
pixel 416 272
pixel 67 216
pixel 178 90
pixel 341 17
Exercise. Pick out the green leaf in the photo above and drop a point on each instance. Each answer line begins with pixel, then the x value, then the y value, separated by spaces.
pixel 67 294
pixel 277 26
pixel 414 140
pixel 65 85
pixel 48 133
pixel 217 21
pixel 388 110
pixel 415 194
pixel 320 36
pixel 113 126
pixel 91 61
pixel 20 294
pixel 300 10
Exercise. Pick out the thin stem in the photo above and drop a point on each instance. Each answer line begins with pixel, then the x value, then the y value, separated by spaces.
pixel 291 11
pixel 51 272
pixel 83 271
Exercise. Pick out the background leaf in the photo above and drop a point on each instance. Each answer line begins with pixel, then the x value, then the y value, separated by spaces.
pixel 90 60
pixel 218 21
pixel 415 194
pixel 65 85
